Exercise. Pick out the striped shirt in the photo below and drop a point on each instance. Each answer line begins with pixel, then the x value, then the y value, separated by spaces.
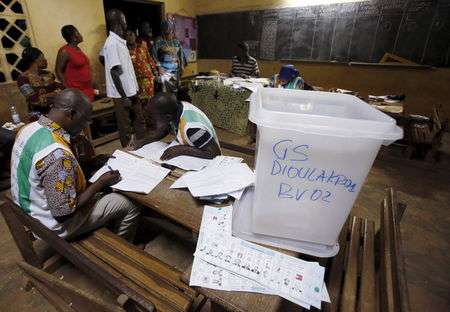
pixel 243 69
pixel 194 128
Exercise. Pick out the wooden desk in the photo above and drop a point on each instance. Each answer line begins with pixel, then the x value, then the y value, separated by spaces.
pixel 101 108
pixel 178 204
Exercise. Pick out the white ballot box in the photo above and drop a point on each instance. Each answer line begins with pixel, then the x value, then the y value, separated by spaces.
pixel 314 150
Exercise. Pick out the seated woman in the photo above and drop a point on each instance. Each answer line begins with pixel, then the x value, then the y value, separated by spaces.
pixel 37 84
pixel 288 78
pixel 72 64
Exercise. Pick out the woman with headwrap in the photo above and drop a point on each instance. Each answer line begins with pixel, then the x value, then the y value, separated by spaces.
pixel 288 78
pixel 37 84
pixel 169 54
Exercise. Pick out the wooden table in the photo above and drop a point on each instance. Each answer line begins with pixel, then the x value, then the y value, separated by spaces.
pixel 179 205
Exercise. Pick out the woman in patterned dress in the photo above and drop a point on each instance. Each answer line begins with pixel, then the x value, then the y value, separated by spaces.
pixel 144 66
pixel 169 54
pixel 36 83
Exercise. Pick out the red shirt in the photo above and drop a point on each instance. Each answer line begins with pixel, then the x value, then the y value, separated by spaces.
pixel 78 72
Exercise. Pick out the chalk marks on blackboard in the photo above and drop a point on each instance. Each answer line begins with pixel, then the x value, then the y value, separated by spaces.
pixel 418 30
pixel 268 39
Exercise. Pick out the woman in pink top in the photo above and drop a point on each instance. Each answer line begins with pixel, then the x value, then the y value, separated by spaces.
pixel 72 65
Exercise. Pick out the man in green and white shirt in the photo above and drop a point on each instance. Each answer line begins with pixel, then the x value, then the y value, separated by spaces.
pixel 48 183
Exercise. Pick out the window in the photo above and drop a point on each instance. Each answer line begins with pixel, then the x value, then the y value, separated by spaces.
pixel 14 37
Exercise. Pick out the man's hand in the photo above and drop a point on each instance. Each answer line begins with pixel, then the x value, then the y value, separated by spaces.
pixel 175 151
pixel 109 178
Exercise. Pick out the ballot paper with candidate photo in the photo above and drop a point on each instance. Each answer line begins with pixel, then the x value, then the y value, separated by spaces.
pixel 227 263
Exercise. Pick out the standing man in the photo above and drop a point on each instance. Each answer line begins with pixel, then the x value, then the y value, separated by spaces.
pixel 244 65
pixel 48 183
pixel 121 83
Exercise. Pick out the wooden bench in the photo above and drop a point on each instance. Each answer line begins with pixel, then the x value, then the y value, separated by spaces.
pixel 140 281
pixel 101 108
pixel 368 273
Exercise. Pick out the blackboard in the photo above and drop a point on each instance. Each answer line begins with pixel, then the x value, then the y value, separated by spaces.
pixel 418 30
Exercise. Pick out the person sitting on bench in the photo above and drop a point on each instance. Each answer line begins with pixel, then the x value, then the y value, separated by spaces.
pixel 193 130
pixel 48 183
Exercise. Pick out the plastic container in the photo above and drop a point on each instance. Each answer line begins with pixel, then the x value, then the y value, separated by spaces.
pixel 314 150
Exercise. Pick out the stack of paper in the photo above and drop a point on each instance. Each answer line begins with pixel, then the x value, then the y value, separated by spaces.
pixel 138 175
pixel 154 151
pixel 225 175
pixel 227 263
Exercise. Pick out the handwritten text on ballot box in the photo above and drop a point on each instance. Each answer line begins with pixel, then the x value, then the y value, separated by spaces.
pixel 314 150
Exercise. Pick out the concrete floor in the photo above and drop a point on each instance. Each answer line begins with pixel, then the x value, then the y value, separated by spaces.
pixel 426 235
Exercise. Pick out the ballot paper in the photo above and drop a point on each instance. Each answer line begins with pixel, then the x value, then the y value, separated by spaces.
pixel 154 151
pixel 219 180
pixel 138 175
pixel 218 161
pixel 227 263
pixel 150 150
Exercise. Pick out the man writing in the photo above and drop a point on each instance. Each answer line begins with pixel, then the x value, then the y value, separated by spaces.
pixel 47 182
pixel 193 130
pixel 121 83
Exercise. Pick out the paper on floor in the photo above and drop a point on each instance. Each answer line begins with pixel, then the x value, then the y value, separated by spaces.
pixel 138 175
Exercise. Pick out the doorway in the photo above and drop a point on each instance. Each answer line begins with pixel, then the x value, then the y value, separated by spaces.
pixel 139 11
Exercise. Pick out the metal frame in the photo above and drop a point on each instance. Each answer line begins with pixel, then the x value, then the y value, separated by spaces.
pixel 17 49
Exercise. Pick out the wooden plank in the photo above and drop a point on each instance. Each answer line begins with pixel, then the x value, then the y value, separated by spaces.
pixel 56 301
pixel 20 236
pixel 74 256
pixel 399 275
pixel 73 297
pixel 144 260
pixel 387 287
pixel 156 286
pixel 349 291
pixel 336 272
pixel 238 148
pixel 106 138
pixel 154 301
pixel 367 296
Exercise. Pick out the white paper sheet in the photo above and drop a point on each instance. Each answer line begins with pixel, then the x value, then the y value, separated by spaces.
pixel 138 175
pixel 153 151
pixel 188 162
pixel 221 161
pixel 147 151
pixel 218 161
pixel 221 180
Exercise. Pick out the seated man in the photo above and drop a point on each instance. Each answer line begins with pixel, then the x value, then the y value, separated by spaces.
pixel 193 130
pixel 244 65
pixel 48 183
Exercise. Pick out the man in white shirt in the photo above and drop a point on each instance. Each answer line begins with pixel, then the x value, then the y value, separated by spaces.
pixel 121 83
